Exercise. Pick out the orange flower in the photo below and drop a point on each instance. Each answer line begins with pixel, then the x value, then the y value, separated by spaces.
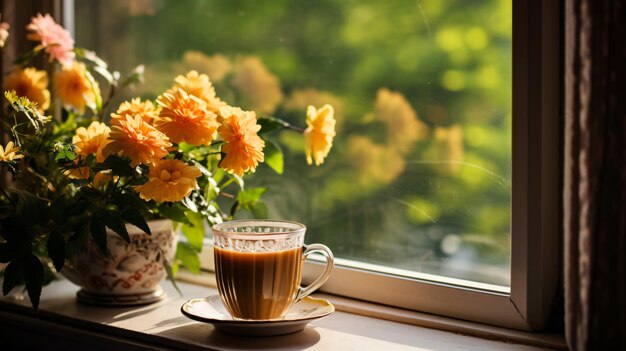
pixel 102 178
pixel 30 83
pixel 169 180
pixel 81 173
pixel 185 117
pixel 92 140
pixel 137 140
pixel 56 40
pixel 200 86
pixel 9 153
pixel 319 134
pixel 146 110
pixel 243 147
pixel 74 89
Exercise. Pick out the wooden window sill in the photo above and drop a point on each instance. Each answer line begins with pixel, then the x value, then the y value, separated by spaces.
pixel 62 322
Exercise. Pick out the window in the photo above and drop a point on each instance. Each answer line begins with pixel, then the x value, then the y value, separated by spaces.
pixel 441 185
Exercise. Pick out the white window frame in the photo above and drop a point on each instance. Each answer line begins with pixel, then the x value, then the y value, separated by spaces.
pixel 537 31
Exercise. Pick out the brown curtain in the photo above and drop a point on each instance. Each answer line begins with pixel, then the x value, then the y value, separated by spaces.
pixel 595 174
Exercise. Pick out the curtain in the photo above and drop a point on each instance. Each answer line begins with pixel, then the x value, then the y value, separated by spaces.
pixel 595 174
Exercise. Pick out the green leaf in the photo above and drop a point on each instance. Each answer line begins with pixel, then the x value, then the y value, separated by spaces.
pixel 135 76
pixel 211 191
pixel 99 232
pixel 233 209
pixel 190 204
pixel 105 74
pixel 270 124
pixel 8 252
pixel 174 212
pixel 77 241
pixel 30 207
pixel 65 152
pixel 33 276
pixel 56 249
pixel 13 276
pixel 213 215
pixel 218 175
pixel 90 56
pixel 123 200
pixel 171 274
pixel 26 57
pixel 188 256
pixel 194 232
pixel 134 217
pixel 274 156
pixel 116 223
pixel 250 196
pixel 69 125
pixel 91 160
pixel 205 172
pixel 119 166
pixel 58 209
pixel 96 105
pixel 185 147
pixel 258 210
pixel 237 179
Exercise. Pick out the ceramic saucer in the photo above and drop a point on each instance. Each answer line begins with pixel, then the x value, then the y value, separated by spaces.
pixel 211 310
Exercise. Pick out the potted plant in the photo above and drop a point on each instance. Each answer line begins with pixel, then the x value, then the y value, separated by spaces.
pixel 98 192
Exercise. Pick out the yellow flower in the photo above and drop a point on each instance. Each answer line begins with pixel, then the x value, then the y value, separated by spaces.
pixel 374 165
pixel 200 86
pixel 30 83
pixel 449 144
pixel 92 140
pixel 73 87
pixel 137 140
pixel 146 110
pixel 9 153
pixel 216 66
pixel 403 125
pixel 300 99
pixel 185 117
pixel 259 88
pixel 243 147
pixel 169 180
pixel 319 134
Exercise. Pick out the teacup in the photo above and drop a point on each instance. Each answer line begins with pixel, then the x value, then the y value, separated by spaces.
pixel 258 265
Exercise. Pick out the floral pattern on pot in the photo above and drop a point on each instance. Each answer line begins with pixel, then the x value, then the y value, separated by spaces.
pixel 135 267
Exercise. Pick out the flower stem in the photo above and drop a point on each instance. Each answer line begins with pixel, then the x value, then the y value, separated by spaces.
pixel 294 128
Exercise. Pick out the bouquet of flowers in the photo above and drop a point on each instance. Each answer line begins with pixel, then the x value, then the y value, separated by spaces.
pixel 74 165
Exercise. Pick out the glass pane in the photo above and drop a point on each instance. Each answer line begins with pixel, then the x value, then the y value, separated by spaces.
pixel 419 177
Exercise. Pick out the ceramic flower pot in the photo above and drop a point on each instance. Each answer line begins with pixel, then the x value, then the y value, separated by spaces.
pixel 130 273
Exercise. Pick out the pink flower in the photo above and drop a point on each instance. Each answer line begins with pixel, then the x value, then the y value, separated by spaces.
pixel 4 33
pixel 55 39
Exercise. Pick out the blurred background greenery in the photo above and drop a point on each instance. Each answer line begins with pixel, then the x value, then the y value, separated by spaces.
pixel 419 177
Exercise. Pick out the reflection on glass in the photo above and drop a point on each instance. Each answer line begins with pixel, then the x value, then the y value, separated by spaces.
pixel 419 176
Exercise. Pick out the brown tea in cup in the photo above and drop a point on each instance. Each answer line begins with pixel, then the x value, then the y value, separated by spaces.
pixel 259 285
pixel 258 267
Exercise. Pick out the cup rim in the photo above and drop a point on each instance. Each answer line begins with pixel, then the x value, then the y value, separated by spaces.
pixel 224 228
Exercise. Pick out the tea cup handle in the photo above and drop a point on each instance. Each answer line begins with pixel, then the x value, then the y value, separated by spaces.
pixel 309 249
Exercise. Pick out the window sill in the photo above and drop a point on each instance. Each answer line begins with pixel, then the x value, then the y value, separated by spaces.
pixel 356 325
